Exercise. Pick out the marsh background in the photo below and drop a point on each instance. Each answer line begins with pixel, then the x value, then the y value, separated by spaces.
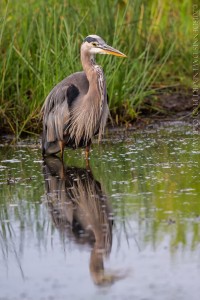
pixel 40 42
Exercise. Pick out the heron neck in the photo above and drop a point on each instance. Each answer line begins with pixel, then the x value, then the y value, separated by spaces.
pixel 88 63
pixel 95 76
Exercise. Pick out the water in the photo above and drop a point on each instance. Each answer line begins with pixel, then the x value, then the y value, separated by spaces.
pixel 127 228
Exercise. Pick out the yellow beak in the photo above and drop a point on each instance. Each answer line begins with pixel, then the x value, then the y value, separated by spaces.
pixel 110 50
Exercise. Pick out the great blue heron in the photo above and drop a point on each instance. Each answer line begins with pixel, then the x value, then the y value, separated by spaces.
pixel 76 109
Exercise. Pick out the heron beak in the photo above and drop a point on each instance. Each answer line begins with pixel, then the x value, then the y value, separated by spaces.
pixel 110 50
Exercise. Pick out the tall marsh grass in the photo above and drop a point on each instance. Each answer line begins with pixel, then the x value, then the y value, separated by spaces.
pixel 40 42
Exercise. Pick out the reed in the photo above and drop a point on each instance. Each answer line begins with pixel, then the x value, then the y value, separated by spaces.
pixel 40 42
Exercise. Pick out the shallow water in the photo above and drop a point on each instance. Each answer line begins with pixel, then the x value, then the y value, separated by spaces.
pixel 127 228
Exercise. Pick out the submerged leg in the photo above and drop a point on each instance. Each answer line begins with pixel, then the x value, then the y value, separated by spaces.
pixel 61 145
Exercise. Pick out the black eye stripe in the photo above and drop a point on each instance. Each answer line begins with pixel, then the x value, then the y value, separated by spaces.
pixel 90 39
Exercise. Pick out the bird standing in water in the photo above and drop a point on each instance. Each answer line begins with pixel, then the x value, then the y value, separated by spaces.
pixel 76 109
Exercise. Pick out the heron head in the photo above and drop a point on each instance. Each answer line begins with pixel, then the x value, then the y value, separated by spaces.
pixel 95 44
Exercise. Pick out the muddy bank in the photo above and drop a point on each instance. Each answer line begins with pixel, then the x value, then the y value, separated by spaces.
pixel 168 107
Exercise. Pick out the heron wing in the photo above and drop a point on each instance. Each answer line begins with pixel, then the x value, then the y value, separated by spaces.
pixel 56 108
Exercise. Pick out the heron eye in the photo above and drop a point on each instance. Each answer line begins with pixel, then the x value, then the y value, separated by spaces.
pixel 94 44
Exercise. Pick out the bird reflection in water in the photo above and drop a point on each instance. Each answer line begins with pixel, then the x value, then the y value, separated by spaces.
pixel 80 208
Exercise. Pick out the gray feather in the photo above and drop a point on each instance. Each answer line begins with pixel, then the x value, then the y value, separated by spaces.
pixel 56 114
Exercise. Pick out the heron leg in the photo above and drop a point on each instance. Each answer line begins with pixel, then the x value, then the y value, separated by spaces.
pixel 61 145
pixel 87 154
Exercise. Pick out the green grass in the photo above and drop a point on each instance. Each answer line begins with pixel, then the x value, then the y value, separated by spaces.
pixel 40 42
